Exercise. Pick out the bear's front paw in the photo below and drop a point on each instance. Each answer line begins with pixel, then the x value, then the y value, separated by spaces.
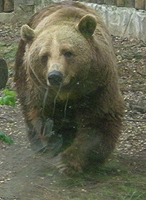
pixel 66 167
pixel 57 162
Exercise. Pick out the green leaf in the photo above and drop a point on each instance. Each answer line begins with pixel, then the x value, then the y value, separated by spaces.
pixel 5 138
pixel 8 98
pixel 1 101
pixel 9 92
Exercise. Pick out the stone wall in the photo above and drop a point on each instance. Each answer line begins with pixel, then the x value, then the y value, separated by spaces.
pixel 138 4
pixel 122 21
pixel 11 5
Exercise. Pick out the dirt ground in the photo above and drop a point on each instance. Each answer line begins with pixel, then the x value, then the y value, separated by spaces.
pixel 25 175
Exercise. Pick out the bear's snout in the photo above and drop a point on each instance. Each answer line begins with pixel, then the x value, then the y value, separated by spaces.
pixel 55 78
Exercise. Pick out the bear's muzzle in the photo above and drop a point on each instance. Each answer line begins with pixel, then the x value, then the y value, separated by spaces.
pixel 55 78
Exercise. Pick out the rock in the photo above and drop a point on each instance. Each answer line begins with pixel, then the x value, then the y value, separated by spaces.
pixel 3 73
pixel 122 21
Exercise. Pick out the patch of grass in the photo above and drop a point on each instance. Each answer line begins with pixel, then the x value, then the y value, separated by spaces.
pixel 114 181
pixel 8 98
pixel 5 138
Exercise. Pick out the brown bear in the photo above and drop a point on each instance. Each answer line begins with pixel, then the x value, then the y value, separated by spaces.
pixel 66 79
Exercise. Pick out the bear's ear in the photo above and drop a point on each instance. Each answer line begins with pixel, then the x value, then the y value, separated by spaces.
pixel 27 33
pixel 87 25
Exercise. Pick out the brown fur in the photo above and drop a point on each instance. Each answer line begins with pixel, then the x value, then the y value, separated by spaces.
pixel 87 108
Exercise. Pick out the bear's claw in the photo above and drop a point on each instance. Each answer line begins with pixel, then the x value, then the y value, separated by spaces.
pixel 65 167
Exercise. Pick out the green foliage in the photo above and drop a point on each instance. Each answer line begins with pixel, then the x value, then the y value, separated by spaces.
pixel 5 138
pixel 8 98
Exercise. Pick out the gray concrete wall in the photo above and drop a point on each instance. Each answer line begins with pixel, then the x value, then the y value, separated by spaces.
pixel 123 22
pixel 42 3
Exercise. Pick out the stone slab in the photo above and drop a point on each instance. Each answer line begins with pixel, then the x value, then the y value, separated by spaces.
pixel 122 21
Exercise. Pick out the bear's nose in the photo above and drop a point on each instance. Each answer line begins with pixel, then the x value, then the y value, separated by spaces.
pixel 55 78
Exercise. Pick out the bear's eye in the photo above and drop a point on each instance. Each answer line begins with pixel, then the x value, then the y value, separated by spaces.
pixel 67 54
pixel 44 58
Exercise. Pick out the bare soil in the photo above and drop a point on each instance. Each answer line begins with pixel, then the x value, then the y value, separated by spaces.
pixel 25 175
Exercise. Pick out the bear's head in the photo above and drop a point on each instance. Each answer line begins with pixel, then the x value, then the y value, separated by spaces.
pixel 60 54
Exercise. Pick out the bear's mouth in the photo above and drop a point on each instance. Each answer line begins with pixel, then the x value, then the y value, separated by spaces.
pixel 68 88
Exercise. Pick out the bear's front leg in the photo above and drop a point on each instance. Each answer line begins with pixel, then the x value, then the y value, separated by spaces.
pixel 42 137
pixel 90 148
pixel 34 129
